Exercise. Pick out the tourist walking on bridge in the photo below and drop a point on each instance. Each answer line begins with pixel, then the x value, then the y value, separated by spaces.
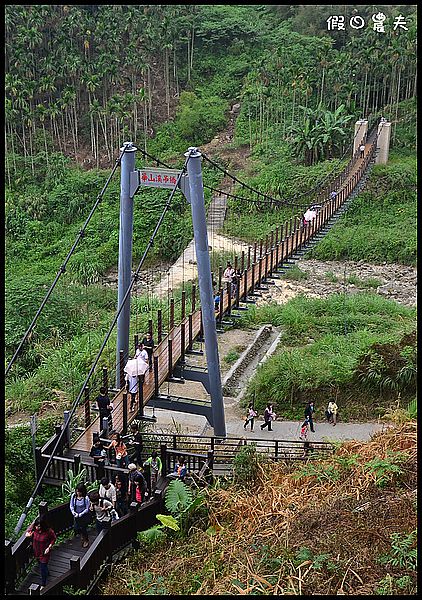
pixel 362 150
pixel 136 441
pixel 155 466
pixel 105 407
pixel 132 388
pixel 102 509
pixel 43 538
pixel 148 344
pixel 79 507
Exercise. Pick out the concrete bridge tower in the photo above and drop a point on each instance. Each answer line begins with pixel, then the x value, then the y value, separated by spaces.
pixel 383 144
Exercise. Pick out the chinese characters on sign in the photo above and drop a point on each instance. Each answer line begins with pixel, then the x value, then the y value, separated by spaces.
pixel 337 22
pixel 149 177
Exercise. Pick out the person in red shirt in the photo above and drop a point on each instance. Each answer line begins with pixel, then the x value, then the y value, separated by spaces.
pixel 43 538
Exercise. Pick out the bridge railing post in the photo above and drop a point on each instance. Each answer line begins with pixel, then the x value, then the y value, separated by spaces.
pixel 141 379
pixel 87 407
pixel 163 456
pixel 221 305
pixel 183 309
pixel 156 381
pixel 124 414
pixel 159 325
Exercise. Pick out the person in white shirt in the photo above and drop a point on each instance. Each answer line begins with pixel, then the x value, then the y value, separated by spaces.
pixel 332 409
pixel 228 272
pixel 362 150
pixel 107 490
pixel 132 388
pixel 142 353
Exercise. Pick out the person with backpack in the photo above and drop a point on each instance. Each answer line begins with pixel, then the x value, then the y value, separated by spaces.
pixel 155 468
pixel 269 416
pixel 101 507
pixel 43 538
pixel 251 414
pixel 79 507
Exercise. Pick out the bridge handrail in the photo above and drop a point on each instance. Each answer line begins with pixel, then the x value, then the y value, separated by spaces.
pixel 82 571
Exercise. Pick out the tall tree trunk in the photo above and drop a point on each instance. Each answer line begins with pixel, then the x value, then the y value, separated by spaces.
pixel 176 76
pixel 167 79
pixel 97 143
pixel 363 104
pixel 45 143
pixel 6 152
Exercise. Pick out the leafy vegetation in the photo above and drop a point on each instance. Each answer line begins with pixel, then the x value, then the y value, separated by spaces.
pixel 301 513
pixel 327 344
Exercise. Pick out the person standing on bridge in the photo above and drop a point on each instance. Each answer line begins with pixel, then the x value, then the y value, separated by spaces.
pixel 136 441
pixel 43 538
pixel 228 274
pixel 362 150
pixel 155 466
pixel 148 344
pixel 79 507
pixel 102 509
pixel 120 449
pixel 105 407
pixel 132 388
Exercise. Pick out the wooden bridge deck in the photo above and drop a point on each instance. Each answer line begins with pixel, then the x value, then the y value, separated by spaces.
pixel 59 563
pixel 251 278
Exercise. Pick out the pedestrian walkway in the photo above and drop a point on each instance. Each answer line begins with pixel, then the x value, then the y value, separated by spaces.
pixel 281 430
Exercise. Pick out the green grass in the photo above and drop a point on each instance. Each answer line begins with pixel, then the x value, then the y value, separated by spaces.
pixel 342 329
pixel 380 225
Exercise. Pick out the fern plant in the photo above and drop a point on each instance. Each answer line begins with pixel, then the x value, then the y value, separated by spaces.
pixel 180 502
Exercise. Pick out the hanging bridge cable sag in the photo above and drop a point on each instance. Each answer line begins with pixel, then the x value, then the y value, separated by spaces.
pixel 266 197
pixel 97 358
pixel 62 268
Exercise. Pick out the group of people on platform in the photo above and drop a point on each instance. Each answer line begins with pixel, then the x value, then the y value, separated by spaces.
pixel 107 503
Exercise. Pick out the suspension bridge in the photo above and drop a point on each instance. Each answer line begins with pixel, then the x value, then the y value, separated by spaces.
pixel 258 265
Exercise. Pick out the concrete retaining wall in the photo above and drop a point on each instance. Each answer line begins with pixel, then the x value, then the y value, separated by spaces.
pixel 229 382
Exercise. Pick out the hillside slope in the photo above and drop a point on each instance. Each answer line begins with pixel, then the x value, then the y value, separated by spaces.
pixel 345 526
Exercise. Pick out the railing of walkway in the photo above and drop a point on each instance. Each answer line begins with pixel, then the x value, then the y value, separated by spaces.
pixel 83 572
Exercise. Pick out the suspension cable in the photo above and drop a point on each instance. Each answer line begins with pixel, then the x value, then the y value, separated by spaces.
pixel 120 308
pixel 62 268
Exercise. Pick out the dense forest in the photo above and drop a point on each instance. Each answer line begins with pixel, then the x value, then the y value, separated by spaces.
pixel 82 79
